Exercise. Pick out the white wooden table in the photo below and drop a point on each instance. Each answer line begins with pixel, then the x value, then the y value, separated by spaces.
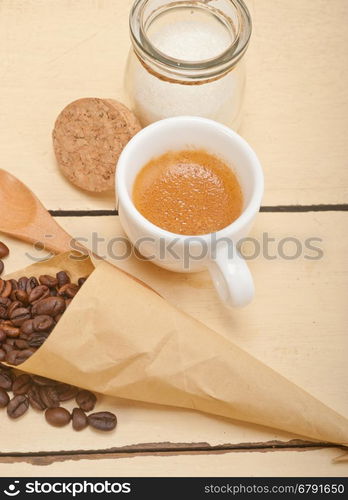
pixel 297 120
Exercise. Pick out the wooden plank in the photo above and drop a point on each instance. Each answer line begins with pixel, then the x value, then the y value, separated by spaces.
pixel 296 111
pixel 52 54
pixel 313 463
pixel 296 104
pixel 297 325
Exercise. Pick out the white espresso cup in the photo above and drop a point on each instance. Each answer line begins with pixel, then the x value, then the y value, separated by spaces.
pixel 217 251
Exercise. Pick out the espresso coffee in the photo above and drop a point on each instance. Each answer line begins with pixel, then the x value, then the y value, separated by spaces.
pixel 188 192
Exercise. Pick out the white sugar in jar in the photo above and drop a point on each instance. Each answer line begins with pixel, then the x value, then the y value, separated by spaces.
pixel 186 59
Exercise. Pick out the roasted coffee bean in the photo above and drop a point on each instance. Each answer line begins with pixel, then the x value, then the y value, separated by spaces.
pixel 79 419
pixel 36 340
pixel 22 384
pixel 11 355
pixel 14 305
pixel 22 283
pixel 9 371
pixel 54 292
pixel 81 281
pixel 21 296
pixel 43 381
pixel 59 417
pixel 5 288
pixel 31 284
pixel 2 336
pixel 66 392
pixel 49 281
pixel 4 398
pixel 69 290
pixel 5 381
pixel 11 331
pixel 5 301
pixel 86 400
pixel 102 420
pixel 5 368
pixel 49 397
pixel 27 327
pixel 50 306
pixel 7 348
pixel 2 267
pixel 43 323
pixel 2 354
pixel 10 341
pixel 19 315
pixel 3 312
pixel 21 344
pixel 38 293
pixel 62 278
pixel 8 289
pixel 17 406
pixel 16 357
pixel 4 250
pixel 14 284
pixel 35 399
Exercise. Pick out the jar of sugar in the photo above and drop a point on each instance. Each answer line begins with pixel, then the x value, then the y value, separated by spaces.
pixel 186 59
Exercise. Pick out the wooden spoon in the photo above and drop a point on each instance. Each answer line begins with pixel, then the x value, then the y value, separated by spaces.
pixel 24 217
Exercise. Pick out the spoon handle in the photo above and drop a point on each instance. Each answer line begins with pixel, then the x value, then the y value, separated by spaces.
pixel 48 235
pixel 23 216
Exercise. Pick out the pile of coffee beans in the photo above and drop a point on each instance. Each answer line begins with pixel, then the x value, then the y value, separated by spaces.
pixel 30 308
pixel 45 395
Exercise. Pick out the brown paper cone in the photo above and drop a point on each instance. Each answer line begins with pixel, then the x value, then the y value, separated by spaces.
pixel 120 338
pixel 340 459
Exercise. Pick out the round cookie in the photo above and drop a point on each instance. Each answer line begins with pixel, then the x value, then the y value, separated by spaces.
pixel 88 138
pixel 132 120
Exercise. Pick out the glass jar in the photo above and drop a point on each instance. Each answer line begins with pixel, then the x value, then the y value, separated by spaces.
pixel 186 59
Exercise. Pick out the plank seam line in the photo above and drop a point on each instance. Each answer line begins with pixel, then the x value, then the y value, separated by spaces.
pixel 341 207
pixel 264 209
pixel 83 213
pixel 134 450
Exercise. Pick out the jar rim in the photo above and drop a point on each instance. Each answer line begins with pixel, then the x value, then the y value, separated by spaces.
pixel 211 67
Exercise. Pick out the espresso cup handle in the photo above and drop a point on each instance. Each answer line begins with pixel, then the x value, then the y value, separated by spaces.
pixel 231 276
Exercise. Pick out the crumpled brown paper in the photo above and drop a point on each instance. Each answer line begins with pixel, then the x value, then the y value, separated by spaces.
pixel 122 339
